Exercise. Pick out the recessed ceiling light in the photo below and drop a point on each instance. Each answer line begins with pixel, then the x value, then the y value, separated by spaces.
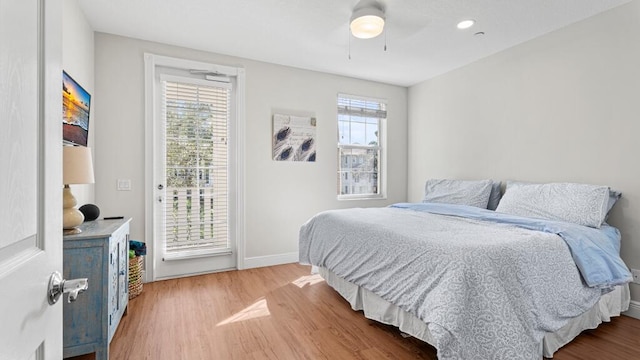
pixel 465 24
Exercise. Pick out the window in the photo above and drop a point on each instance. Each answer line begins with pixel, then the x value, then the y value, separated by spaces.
pixel 361 122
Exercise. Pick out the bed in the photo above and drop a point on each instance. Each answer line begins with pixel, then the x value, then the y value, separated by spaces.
pixel 478 283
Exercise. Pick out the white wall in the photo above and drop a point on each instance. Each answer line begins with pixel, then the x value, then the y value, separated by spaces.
pixel 563 107
pixel 280 196
pixel 77 61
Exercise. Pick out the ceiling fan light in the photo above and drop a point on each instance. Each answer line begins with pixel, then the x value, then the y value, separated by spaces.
pixel 367 23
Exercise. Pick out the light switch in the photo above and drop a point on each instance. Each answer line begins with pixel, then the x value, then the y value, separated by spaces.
pixel 124 185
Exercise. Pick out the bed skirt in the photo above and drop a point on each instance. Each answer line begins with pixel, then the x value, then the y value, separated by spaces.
pixel 378 309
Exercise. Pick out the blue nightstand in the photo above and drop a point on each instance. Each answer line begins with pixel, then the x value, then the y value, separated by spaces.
pixel 99 253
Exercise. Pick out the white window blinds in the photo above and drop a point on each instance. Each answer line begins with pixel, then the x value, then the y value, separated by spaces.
pixel 362 107
pixel 196 119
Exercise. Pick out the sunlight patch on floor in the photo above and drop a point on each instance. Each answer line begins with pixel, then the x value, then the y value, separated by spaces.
pixel 307 280
pixel 255 310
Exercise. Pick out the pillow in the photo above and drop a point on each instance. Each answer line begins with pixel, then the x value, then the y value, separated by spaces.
pixel 461 192
pixel 494 197
pixel 614 195
pixel 580 204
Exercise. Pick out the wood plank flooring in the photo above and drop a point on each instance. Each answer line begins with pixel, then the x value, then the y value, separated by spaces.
pixel 282 312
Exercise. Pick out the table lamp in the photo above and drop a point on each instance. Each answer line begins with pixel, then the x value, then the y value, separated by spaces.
pixel 77 169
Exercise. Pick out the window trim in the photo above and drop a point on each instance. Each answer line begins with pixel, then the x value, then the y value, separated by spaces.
pixel 381 147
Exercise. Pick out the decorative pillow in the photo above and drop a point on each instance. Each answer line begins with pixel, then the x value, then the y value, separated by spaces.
pixel 575 203
pixel 461 192
pixel 494 197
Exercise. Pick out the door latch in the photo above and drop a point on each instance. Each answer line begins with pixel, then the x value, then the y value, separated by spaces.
pixel 59 286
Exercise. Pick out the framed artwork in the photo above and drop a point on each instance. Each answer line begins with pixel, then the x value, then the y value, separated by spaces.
pixel 294 138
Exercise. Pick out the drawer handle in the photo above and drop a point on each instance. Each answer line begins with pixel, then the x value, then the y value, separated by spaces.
pixel 122 272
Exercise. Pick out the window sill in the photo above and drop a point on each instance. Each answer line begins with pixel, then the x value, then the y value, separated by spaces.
pixel 192 254
pixel 361 197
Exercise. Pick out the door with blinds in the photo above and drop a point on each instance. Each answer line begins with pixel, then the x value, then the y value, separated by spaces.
pixel 192 224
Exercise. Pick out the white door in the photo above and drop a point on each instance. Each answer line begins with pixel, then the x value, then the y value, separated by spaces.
pixel 31 177
pixel 193 172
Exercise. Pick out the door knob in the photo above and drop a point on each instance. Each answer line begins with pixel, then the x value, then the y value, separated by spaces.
pixel 59 286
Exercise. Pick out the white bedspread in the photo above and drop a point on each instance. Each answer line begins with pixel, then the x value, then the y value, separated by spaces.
pixel 486 291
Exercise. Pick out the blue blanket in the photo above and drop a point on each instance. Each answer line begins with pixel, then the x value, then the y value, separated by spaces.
pixel 596 252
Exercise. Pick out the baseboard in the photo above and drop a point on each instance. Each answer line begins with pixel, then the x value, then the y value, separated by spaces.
pixel 634 309
pixel 270 260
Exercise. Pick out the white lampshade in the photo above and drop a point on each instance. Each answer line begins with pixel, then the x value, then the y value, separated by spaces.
pixel 77 168
pixel 367 22
pixel 77 165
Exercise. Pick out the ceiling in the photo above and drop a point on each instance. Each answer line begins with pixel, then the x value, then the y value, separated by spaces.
pixel 421 35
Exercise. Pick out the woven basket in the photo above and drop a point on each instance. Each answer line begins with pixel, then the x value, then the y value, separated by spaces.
pixel 135 276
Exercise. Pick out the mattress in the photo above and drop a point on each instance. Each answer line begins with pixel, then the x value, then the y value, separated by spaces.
pixel 378 309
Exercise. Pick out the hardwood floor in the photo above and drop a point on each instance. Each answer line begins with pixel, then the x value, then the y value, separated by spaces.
pixel 282 312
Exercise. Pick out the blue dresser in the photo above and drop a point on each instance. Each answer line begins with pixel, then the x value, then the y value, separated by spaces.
pixel 99 253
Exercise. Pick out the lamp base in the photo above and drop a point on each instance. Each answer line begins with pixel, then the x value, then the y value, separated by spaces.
pixel 71 217
pixel 72 231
